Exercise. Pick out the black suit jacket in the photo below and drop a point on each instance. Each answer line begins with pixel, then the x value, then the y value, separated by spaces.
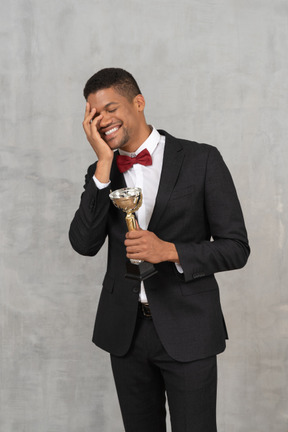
pixel 198 210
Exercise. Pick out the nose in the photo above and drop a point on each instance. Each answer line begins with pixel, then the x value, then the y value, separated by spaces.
pixel 105 121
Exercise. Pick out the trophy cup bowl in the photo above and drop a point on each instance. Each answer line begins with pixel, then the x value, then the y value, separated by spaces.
pixel 129 200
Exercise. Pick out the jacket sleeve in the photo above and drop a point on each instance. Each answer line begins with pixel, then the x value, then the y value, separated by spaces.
pixel 88 228
pixel 228 247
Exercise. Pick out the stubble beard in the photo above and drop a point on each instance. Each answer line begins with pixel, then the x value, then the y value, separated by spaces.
pixel 124 140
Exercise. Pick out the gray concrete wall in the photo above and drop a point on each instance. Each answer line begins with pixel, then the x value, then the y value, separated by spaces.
pixel 212 71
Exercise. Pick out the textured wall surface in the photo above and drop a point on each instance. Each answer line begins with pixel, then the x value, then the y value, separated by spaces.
pixel 212 71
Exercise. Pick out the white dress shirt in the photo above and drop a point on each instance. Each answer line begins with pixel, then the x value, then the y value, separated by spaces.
pixel 147 178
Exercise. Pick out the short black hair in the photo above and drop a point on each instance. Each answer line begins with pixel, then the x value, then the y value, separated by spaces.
pixel 121 80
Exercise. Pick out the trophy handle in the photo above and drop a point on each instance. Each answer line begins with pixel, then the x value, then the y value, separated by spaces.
pixel 131 225
pixel 130 221
pixel 130 218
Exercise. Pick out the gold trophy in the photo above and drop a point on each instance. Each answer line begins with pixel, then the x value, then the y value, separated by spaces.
pixel 130 200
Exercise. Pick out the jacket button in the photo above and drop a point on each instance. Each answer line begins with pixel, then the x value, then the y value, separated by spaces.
pixel 136 290
pixel 198 275
pixel 92 204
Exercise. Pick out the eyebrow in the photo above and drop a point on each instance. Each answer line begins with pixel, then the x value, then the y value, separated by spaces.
pixel 111 103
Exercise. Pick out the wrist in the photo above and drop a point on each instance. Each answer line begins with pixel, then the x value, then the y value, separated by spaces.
pixel 172 254
pixel 103 169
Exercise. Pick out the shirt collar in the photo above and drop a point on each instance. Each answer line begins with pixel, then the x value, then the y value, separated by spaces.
pixel 150 144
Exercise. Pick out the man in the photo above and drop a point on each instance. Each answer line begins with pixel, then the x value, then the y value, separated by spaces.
pixel 164 334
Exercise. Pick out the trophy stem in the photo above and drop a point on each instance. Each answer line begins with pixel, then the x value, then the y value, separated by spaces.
pixel 130 221
pixel 131 225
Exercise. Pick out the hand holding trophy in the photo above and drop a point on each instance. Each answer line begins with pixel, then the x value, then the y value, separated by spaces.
pixel 130 200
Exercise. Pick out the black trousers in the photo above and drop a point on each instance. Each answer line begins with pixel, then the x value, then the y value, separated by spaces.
pixel 144 377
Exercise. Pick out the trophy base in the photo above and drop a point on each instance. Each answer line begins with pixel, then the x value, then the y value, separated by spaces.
pixel 140 272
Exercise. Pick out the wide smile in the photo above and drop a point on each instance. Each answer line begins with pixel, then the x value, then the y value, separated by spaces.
pixel 111 133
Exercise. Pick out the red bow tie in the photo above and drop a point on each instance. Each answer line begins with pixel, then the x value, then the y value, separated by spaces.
pixel 124 163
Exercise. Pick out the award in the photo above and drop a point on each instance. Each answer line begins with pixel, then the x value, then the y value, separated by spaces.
pixel 129 200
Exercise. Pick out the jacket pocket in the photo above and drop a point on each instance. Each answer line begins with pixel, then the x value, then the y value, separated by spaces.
pixel 199 286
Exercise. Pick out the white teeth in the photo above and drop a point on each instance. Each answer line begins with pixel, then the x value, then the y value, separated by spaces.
pixel 111 131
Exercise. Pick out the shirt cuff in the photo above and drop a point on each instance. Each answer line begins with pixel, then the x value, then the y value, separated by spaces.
pixel 179 268
pixel 99 184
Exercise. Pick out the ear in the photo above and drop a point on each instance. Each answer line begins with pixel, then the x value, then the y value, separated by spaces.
pixel 139 102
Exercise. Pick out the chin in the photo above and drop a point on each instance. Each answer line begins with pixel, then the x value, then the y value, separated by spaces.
pixel 118 142
pixel 114 145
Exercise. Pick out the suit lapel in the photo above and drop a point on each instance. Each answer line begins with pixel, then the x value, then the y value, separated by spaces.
pixel 172 162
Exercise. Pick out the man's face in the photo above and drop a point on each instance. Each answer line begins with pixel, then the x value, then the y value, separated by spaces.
pixel 120 126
